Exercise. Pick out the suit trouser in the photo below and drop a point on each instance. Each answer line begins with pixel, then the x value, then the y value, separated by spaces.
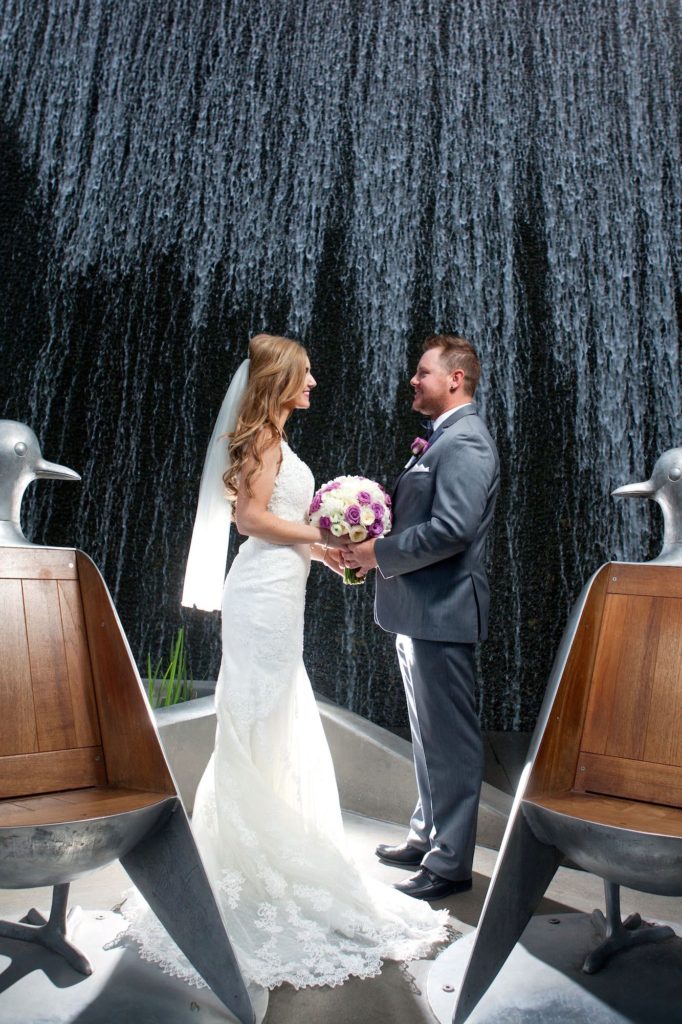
pixel 447 750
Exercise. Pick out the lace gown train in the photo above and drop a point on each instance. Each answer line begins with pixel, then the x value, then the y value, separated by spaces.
pixel 266 816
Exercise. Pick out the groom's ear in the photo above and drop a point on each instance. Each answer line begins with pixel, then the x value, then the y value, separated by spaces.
pixel 456 379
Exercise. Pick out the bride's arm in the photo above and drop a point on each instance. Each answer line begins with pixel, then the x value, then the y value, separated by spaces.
pixel 252 517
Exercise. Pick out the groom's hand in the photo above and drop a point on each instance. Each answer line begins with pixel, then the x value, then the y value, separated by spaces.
pixel 361 556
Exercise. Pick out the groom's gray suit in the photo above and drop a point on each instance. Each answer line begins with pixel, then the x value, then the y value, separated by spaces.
pixel 432 590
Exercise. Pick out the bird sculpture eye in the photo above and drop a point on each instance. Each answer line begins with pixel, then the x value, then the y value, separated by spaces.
pixel 675 473
pixel 20 449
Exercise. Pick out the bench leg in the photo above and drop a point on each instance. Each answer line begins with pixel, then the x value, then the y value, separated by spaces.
pixel 167 869
pixel 619 934
pixel 50 933
pixel 524 869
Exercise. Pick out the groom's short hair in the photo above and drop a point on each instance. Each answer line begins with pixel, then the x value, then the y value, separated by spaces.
pixel 457 354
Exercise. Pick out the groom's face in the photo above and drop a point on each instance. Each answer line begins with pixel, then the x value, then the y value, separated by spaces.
pixel 431 384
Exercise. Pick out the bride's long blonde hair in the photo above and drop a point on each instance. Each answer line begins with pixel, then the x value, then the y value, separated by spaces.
pixel 277 373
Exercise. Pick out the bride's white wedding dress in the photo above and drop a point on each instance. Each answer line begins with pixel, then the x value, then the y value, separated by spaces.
pixel 266 816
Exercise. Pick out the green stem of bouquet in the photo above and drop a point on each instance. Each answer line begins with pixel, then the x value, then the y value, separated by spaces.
pixel 351 578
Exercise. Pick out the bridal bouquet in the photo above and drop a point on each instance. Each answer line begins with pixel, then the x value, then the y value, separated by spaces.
pixel 353 507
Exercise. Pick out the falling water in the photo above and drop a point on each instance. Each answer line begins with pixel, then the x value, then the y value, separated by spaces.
pixel 179 175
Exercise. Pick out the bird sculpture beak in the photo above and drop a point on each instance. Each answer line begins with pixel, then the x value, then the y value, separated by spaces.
pixel 643 490
pixel 45 470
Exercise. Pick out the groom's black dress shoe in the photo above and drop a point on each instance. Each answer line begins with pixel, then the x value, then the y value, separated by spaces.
pixel 404 856
pixel 427 885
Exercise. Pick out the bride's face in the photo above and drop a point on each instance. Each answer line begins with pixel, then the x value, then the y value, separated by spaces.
pixel 302 400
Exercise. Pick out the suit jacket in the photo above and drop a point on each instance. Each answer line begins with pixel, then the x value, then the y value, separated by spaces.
pixel 431 582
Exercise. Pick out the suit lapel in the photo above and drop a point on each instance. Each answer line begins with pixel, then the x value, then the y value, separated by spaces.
pixel 402 473
pixel 464 410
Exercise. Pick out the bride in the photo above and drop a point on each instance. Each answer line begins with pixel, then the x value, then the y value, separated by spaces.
pixel 266 815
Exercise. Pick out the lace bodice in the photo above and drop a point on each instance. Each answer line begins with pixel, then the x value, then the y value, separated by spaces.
pixel 294 487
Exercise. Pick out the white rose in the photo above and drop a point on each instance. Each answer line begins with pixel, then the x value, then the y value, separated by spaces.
pixel 357 534
pixel 366 516
pixel 339 529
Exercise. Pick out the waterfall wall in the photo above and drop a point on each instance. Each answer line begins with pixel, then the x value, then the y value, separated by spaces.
pixel 178 175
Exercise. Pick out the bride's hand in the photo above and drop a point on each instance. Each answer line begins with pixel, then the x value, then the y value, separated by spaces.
pixel 361 557
pixel 333 559
pixel 330 541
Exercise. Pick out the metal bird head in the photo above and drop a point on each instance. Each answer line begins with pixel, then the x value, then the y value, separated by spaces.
pixel 21 462
pixel 665 487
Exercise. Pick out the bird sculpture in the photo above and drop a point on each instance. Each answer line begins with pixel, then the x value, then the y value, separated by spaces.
pixel 602 785
pixel 665 488
pixel 21 462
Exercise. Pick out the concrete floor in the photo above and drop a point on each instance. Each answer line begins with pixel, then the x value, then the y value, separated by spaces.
pixel 140 993
pixel 505 756
pixel 37 988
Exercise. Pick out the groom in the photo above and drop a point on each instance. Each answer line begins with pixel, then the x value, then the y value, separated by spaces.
pixel 432 591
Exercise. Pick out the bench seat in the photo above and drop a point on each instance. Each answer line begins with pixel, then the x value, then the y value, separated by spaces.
pixel 74 805
pixel 633 815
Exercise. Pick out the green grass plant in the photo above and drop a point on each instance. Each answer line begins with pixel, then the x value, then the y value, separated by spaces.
pixel 172 684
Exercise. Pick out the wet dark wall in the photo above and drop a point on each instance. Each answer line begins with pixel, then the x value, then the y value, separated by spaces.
pixel 177 176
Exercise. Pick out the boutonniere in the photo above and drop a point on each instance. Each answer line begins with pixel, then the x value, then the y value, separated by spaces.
pixel 419 446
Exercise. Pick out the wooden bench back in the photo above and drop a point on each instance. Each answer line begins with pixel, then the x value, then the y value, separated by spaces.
pixel 631 743
pixel 72 714
pixel 49 728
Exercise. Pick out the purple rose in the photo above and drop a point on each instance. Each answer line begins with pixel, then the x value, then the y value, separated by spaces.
pixel 364 497
pixel 376 528
pixel 315 503
pixel 352 515
pixel 325 523
pixel 378 509
pixel 389 500
pixel 333 486
pixel 419 445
